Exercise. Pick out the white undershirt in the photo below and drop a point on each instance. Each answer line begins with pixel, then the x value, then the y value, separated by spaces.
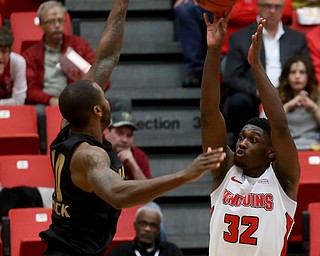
pixel 272 51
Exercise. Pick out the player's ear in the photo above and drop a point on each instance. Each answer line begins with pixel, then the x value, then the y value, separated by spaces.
pixel 271 154
pixel 97 110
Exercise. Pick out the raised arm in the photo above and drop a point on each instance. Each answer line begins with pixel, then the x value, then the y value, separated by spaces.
pixel 108 51
pixel 286 164
pixel 213 126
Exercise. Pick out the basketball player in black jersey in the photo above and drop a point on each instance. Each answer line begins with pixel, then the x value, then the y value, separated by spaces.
pixel 89 184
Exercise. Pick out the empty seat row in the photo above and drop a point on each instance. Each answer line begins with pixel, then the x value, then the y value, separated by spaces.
pixel 19 129
pixel 26 170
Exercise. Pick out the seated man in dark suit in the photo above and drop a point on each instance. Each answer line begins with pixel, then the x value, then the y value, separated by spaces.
pixel 279 44
pixel 147 241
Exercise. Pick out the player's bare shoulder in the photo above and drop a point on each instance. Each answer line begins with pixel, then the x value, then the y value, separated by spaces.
pixel 88 156
pixel 87 159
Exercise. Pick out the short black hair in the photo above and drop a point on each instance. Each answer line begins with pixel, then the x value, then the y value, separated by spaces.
pixel 260 122
pixel 77 100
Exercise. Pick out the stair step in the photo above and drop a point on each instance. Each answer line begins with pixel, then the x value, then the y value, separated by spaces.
pixel 146 74
pixel 142 35
pixel 154 93
pixel 105 5
pixel 188 224
pixel 162 164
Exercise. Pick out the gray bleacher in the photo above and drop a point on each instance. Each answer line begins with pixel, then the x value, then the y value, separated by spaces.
pixel 155 62
pixel 166 163
pixel 170 126
pixel 150 73
pixel 105 5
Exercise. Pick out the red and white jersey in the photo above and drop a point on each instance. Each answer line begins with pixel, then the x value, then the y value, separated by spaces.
pixel 247 219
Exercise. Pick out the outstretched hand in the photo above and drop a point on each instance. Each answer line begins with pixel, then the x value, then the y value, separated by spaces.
pixel 216 30
pixel 255 47
pixel 208 161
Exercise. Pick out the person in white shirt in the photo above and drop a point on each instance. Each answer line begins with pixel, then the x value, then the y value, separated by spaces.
pixel 13 83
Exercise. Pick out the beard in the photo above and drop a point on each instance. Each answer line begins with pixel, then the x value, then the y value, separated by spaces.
pixel 105 119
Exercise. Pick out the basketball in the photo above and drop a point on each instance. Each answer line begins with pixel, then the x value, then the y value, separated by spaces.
pixel 215 5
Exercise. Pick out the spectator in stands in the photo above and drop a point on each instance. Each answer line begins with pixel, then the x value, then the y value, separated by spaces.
pixel 278 46
pixel 135 161
pixel 313 39
pixel 45 77
pixel 300 98
pixel 244 12
pixel 121 135
pixel 147 241
pixel 13 83
pixel 190 31
pixel 265 164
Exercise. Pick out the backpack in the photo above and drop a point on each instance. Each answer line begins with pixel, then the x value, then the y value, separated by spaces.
pixel 19 197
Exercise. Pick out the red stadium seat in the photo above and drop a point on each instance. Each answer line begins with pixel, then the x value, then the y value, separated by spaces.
pixel 26 31
pixel 308 190
pixel 26 170
pixel 24 227
pixel 18 130
pixel 53 121
pixel 125 230
pixel 314 213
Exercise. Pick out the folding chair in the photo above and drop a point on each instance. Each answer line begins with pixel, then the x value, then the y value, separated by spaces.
pixel 309 185
pixel 19 130
pixel 53 122
pixel 26 30
pixel 125 229
pixel 314 236
pixel 23 228
pixel 26 170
